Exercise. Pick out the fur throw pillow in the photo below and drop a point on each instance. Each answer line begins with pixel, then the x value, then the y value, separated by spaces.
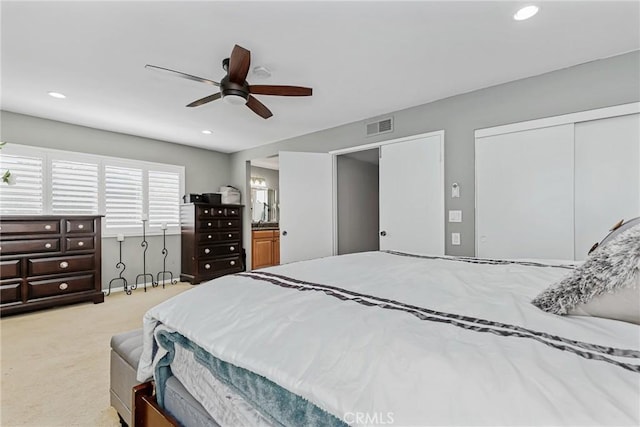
pixel 607 284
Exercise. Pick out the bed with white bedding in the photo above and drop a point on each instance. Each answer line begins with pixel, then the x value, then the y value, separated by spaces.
pixel 392 338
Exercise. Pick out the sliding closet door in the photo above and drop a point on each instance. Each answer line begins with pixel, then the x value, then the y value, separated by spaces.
pixel 607 186
pixel 306 206
pixel 524 194
pixel 412 196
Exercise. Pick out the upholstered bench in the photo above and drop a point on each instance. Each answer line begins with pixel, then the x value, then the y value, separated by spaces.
pixel 126 349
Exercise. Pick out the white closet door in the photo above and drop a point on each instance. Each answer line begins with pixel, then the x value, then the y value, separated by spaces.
pixel 412 196
pixel 607 187
pixel 524 194
pixel 306 206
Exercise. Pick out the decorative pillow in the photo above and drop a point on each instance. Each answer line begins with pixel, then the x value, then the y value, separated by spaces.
pixel 615 231
pixel 606 285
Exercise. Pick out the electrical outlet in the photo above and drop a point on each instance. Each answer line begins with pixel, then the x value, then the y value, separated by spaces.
pixel 455 238
pixel 455 216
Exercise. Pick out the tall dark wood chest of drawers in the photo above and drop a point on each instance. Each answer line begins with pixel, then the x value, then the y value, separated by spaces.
pixel 46 261
pixel 211 241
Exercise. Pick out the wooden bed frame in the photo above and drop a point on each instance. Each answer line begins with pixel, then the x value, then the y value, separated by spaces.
pixel 145 409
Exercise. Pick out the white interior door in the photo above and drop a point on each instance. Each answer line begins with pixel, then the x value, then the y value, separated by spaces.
pixel 412 196
pixel 306 206
pixel 524 194
pixel 607 187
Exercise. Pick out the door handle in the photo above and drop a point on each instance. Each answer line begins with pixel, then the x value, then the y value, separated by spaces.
pixel 284 233
pixel 383 233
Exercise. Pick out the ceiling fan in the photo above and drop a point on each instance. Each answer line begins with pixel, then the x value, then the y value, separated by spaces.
pixel 234 87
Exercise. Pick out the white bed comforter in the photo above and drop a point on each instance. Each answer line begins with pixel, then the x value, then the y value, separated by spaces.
pixel 392 367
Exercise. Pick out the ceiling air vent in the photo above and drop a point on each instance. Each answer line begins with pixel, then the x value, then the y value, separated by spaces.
pixel 381 126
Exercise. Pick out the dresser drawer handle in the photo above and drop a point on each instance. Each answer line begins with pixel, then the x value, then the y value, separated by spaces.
pixel 209 236
pixel 207 266
pixel 232 262
pixel 47 227
pixel 229 223
pixel 63 286
pixel 80 243
pixel 230 235
pixel 208 224
pixel 206 211
pixel 81 226
pixel 233 212
pixel 232 249
pixel 64 264
pixel 47 245
pixel 206 251
pixel 220 212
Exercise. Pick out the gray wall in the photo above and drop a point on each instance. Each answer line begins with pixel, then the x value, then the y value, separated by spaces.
pixel 596 84
pixel 205 171
pixel 358 205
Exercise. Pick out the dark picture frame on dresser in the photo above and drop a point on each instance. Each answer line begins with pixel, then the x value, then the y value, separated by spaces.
pixel 49 260
pixel 211 241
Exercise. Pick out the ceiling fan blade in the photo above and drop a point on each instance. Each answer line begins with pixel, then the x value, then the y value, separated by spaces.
pixel 258 107
pixel 183 75
pixel 205 100
pixel 280 90
pixel 239 64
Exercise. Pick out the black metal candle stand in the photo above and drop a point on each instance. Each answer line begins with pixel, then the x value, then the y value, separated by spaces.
pixel 119 265
pixel 164 271
pixel 144 273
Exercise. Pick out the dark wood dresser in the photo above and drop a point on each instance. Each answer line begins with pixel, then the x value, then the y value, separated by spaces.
pixel 211 241
pixel 46 261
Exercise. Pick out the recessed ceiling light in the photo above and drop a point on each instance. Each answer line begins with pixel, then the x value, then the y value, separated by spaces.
pixel 207 132
pixel 57 95
pixel 525 13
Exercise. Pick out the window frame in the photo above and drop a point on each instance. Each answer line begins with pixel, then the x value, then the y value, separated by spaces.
pixel 49 154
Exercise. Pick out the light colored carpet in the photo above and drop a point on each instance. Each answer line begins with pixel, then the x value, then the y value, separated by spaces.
pixel 55 363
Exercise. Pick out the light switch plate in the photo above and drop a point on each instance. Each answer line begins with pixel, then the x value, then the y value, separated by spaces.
pixel 455 216
pixel 455 238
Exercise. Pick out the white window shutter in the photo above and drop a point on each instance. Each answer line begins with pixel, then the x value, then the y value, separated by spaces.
pixel 123 197
pixel 164 198
pixel 74 188
pixel 25 197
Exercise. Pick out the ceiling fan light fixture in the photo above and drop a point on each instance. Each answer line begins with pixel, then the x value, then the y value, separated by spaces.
pixel 234 99
pixel 526 13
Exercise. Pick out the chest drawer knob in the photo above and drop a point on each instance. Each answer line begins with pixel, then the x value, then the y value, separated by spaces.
pixel 207 266
pixel 64 264
pixel 80 226
pixel 47 245
pixel 229 235
pixel 80 243
pixel 209 224
pixel 229 223
pixel 220 212
pixel 206 211
pixel 63 286
pixel 209 236
pixel 47 227
pixel 206 251
pixel 232 248
pixel 232 262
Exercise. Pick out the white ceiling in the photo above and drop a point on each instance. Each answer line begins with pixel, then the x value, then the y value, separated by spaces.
pixel 363 59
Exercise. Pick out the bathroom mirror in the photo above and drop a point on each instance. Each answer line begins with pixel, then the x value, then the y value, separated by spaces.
pixel 264 205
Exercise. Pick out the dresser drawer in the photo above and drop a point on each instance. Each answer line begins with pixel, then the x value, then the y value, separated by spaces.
pixel 30 227
pixel 79 226
pixel 219 224
pixel 29 246
pixel 10 292
pixel 209 267
pixel 61 264
pixel 217 250
pixel 78 243
pixel 66 285
pixel 10 269
pixel 218 236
